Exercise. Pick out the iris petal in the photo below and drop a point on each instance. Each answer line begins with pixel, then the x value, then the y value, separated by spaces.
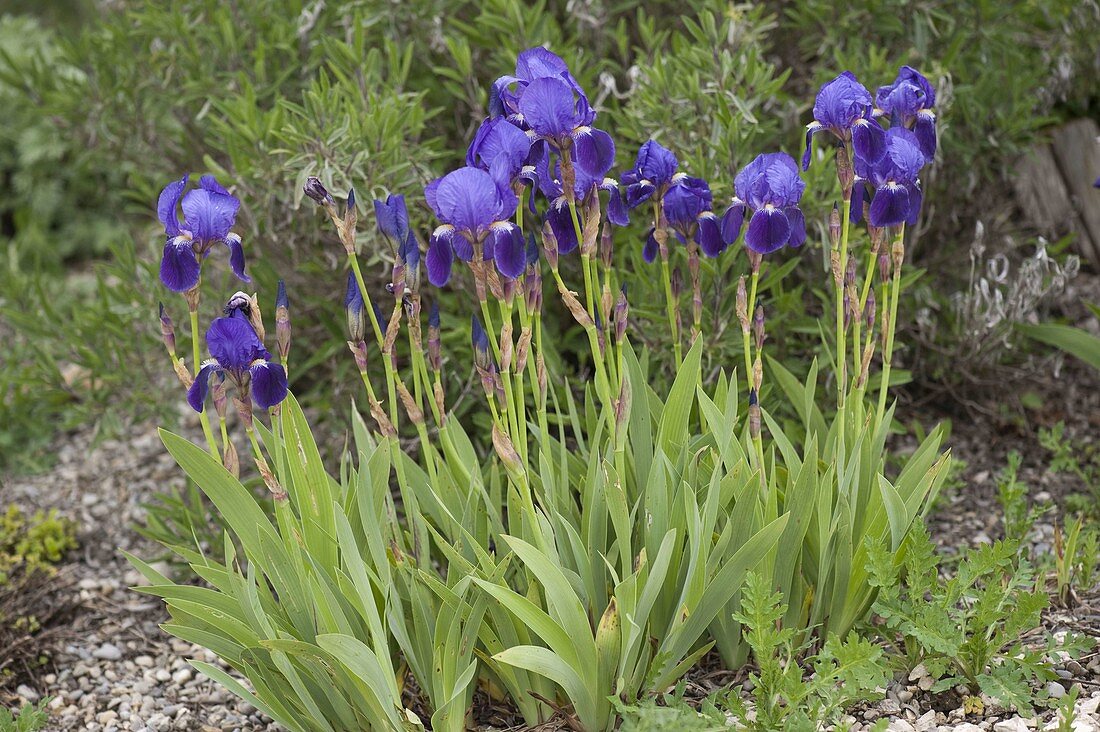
pixel 891 206
pixel 179 269
pixel 916 199
pixel 208 214
pixel 798 226
pixel 468 199
pixel 269 385
pixel 234 344
pixel 868 140
pixel 561 222
pixel 509 250
pixel 768 230
pixel 393 217
pixel 925 130
pixel 548 106
pixel 649 251
pixel 595 152
pixel 732 220
pixel 439 260
pixel 210 183
pixel 708 234
pixel 236 256
pixel 811 129
pixel 196 395
pixel 166 206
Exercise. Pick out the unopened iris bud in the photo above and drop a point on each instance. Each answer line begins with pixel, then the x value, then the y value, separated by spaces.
pixel 847 310
pixel 897 254
pixel 607 247
pixel 317 192
pixel 844 172
pixel 869 310
pixel 884 266
pixel 354 310
pixel 479 339
pixel 219 395
pixel 550 246
pixel 167 331
pixel 231 460
pixel 758 327
pixel 834 226
pixel 434 359
pixel 359 350
pixel 754 415
pixel 742 307
pixel 282 322
pixel 850 275
pixel 677 283
pixel 622 310
pixel 757 373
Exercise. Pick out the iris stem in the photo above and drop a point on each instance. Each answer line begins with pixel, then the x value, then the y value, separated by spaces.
pixel 888 350
pixel 204 420
pixel 379 336
pixel 666 274
pixel 746 342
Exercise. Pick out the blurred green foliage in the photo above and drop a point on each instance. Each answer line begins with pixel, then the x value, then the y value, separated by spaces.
pixel 106 102
pixel 33 542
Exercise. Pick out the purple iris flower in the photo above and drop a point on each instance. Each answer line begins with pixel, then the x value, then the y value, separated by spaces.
pixel 474 212
pixel 584 185
pixel 239 354
pixel 554 113
pixel 770 188
pixel 534 63
pixel 209 212
pixel 843 107
pixel 652 173
pixel 688 203
pixel 503 150
pixel 910 101
pixel 897 196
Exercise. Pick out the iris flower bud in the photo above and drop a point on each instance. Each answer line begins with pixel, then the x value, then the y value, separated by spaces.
pixel 844 172
pixel 167 331
pixel 742 307
pixel 754 415
pixel 479 339
pixel 884 266
pixel 607 246
pixel 550 245
pixel 434 359
pixel 282 322
pixel 850 275
pixel 622 310
pixel 869 310
pixel 353 309
pixel 677 283
pixel 758 327
pixel 317 192
pixel 834 226
pixel 897 254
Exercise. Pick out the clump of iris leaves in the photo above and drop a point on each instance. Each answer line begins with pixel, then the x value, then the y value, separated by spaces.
pixel 615 534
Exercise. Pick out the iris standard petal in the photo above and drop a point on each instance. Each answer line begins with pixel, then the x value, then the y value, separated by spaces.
pixel 595 151
pixel 708 235
pixel 768 231
pixel 868 140
pixel 209 215
pixel 268 383
pixel 236 256
pixel 234 344
pixel 537 62
pixel 210 183
pixel 439 260
pixel 509 250
pixel 200 387
pixel 179 269
pixel 649 251
pixel 732 220
pixel 166 206
pixel 890 205
pixel 548 106
pixel 656 163
pixel 468 199
pixel 841 101
pixel 925 130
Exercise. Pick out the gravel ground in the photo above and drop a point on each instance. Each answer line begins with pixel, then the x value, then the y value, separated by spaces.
pixel 118 671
